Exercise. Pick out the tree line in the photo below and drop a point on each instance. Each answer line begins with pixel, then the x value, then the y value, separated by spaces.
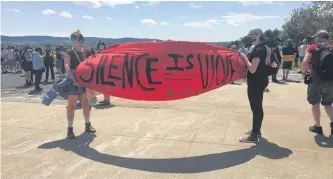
pixel 302 23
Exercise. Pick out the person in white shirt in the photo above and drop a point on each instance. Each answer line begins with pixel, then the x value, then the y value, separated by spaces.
pixel 302 52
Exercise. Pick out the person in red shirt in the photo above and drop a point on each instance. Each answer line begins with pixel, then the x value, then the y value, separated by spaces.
pixel 319 91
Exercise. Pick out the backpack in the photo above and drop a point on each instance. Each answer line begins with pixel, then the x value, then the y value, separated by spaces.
pixel 325 64
pixel 270 66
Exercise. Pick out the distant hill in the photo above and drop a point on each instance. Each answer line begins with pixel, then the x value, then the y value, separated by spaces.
pixel 91 41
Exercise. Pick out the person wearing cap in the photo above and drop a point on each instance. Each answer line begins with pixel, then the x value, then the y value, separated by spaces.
pixel 256 81
pixel 302 51
pixel 289 54
pixel 72 59
pixel 319 91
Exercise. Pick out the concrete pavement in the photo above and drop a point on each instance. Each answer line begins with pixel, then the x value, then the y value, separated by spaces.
pixel 191 138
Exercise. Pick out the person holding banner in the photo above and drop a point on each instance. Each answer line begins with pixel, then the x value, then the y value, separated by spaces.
pixel 257 82
pixel 72 59
pixel 289 54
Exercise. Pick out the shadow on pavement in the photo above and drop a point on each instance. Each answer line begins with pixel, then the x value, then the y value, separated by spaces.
pixel 323 141
pixel 24 87
pixel 195 164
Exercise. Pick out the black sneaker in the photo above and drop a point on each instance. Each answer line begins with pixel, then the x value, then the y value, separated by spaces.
pixel 250 133
pixel 315 129
pixel 70 133
pixel 89 128
pixel 249 139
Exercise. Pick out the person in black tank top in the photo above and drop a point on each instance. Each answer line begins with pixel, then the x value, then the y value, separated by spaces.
pixel 72 59
pixel 257 82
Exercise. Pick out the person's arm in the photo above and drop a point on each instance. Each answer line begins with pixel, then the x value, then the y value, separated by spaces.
pixel 251 66
pixel 305 63
pixel 67 63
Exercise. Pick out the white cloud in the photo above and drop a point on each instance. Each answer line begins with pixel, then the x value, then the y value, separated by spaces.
pixel 163 23
pixel 241 19
pixel 207 24
pixel 281 4
pixel 148 22
pixel 255 3
pixel 194 6
pixel 66 14
pixel 98 4
pixel 115 3
pixel 137 7
pixel 109 18
pixel 13 10
pixel 48 12
pixel 87 17
pixel 94 4
pixel 152 3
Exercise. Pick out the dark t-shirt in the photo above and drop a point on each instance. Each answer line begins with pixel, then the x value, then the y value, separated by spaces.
pixel 289 50
pixel 260 52
pixel 74 61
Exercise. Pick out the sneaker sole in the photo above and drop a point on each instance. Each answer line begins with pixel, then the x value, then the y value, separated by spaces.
pixel 91 132
pixel 240 140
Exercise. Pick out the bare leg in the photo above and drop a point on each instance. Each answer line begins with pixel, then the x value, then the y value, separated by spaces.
pixel 284 73
pixel 329 111
pixel 86 113
pixel 287 73
pixel 85 106
pixel 316 114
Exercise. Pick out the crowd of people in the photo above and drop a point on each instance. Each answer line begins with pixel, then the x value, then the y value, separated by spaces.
pixel 262 59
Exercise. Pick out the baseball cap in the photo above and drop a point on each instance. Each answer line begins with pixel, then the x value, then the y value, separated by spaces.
pixel 321 34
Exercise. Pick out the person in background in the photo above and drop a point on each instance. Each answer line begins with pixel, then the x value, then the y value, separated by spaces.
pixel 257 82
pixel 59 62
pixel 296 57
pixel 107 101
pixel 302 51
pixel 243 49
pixel 49 62
pixel 319 90
pixel 287 65
pixel 277 57
pixel 37 65
pixel 73 58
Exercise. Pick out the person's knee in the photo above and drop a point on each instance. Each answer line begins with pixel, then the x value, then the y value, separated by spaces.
pixel 316 106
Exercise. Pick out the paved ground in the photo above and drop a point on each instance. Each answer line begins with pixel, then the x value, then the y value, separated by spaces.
pixel 191 138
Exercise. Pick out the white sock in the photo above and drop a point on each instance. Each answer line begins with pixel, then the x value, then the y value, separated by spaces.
pixel 70 123
pixel 87 119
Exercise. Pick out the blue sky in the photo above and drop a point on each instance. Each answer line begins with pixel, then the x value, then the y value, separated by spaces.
pixel 191 21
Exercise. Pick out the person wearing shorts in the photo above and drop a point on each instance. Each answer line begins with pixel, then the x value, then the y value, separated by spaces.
pixel 287 65
pixel 319 91
pixel 72 59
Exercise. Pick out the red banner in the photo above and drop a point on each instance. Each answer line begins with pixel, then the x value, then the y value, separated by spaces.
pixel 160 71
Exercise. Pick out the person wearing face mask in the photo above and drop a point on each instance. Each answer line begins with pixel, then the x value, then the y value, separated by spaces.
pixel 73 58
pixel 257 81
pixel 320 90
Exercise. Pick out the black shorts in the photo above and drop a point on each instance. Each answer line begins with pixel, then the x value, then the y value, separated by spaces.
pixel 287 65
